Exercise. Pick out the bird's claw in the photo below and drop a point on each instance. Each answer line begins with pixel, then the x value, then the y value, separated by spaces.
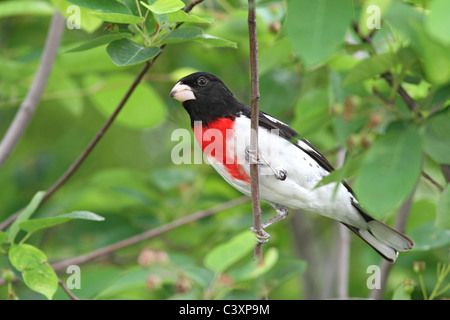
pixel 261 236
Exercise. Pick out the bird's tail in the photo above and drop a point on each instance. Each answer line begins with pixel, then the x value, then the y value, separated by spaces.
pixel 385 240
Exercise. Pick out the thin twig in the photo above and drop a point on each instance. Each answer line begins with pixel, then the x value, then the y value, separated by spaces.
pixel 429 178
pixel 253 41
pixel 140 14
pixel 410 103
pixel 69 293
pixel 31 101
pixel 191 5
pixel 254 177
pixel 148 234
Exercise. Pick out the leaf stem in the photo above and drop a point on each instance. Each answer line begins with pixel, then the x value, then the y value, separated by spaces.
pixel 422 286
pixel 25 238
pixel 442 273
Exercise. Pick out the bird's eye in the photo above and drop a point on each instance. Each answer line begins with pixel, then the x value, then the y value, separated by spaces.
pixel 202 81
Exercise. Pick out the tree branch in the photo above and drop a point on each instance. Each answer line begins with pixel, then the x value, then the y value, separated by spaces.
pixel 256 207
pixel 429 178
pixel 191 5
pixel 66 290
pixel 31 101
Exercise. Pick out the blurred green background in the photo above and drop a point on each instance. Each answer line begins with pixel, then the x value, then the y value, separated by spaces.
pixel 129 177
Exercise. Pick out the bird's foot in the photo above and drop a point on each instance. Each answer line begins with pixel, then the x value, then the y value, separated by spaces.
pixel 261 236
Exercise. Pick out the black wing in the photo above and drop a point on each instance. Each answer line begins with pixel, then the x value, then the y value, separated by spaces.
pixel 268 122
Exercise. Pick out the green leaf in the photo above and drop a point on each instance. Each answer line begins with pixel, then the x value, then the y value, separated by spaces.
pixel 316 29
pixel 17 8
pixel 216 41
pixel 224 255
pixel 143 109
pixel 38 224
pixel 403 18
pixel 25 215
pixel 109 10
pixel 390 169
pixel 311 111
pixel 437 137
pixel 369 67
pixel 279 88
pixel 181 16
pixel 433 55
pixel 348 170
pixel 427 237
pixel 269 260
pixel 437 22
pixel 125 52
pixel 164 6
pixel 284 270
pixel 443 210
pixel 183 35
pixel 37 273
pixel 96 42
pixel 3 236
pixel 169 178
pixel 403 291
pixel 117 17
pixel 105 6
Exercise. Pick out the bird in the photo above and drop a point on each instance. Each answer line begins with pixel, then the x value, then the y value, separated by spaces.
pixel 289 166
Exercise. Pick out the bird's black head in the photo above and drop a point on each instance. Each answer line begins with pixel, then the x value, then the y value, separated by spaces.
pixel 205 97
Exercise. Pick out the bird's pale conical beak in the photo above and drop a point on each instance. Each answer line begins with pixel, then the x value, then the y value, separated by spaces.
pixel 182 92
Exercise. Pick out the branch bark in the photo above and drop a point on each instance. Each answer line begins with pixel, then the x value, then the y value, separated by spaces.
pixel 66 290
pixel 31 101
pixel 254 155
pixel 254 177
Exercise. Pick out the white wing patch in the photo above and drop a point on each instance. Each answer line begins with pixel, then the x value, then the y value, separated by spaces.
pixel 304 146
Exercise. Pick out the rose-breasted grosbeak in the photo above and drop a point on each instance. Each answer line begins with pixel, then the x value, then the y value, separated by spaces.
pixel 290 175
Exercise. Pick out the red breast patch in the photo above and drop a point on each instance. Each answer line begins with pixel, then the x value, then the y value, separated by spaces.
pixel 213 141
